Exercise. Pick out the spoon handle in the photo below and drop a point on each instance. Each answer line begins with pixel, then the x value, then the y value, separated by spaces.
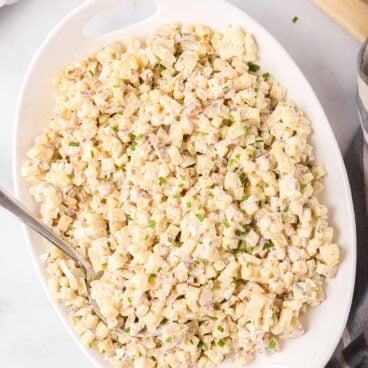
pixel 11 204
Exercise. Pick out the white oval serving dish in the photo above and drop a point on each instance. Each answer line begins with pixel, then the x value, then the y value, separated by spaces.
pixel 66 44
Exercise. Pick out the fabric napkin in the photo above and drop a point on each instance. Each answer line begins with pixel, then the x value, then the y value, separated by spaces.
pixel 352 351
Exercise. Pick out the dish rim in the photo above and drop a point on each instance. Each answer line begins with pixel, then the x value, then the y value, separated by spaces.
pixel 60 311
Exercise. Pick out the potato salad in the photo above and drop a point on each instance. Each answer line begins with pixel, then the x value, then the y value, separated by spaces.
pixel 178 167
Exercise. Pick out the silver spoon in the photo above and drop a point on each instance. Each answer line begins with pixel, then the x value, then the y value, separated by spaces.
pixel 11 204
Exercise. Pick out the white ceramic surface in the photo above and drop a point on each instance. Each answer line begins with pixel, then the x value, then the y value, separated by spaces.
pixel 7 2
pixel 66 44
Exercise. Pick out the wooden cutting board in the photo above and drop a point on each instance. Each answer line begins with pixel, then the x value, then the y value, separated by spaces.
pixel 351 14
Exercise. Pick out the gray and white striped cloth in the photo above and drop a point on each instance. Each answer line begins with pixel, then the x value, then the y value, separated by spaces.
pixel 352 351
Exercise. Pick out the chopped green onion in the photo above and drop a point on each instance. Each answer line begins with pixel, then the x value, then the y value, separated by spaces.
pixel 146 237
pixel 272 344
pixel 162 67
pixel 191 341
pixel 91 72
pixel 129 299
pixel 250 151
pixel 231 119
pixel 133 140
pixel 259 140
pixel 213 318
pixel 247 322
pixel 302 188
pixel 211 195
pixel 295 19
pixel 220 328
pixel 226 224
pixel 246 130
pixel 205 283
pixel 116 86
pixel 267 245
pixel 237 156
pixel 203 345
pixel 159 269
pixel 196 262
pixel 170 240
pixel 73 144
pixel 92 154
pixel 181 185
pixel 152 275
pixel 168 339
pixel 161 180
pixel 221 343
pixel 265 75
pixel 152 224
pixel 120 112
pixel 127 329
pixel 199 217
pixel 253 67
pixel 189 205
pixel 285 209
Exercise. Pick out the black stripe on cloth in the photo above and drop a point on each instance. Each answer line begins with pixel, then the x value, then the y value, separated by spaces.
pixel 361 58
pixel 358 319
pixel 363 113
pixel 333 363
pixel 356 353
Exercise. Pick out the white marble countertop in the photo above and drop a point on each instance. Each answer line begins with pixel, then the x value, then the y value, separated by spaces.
pixel 30 333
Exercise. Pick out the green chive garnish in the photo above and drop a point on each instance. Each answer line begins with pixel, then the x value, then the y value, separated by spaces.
pixel 221 343
pixel 267 245
pixel 253 67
